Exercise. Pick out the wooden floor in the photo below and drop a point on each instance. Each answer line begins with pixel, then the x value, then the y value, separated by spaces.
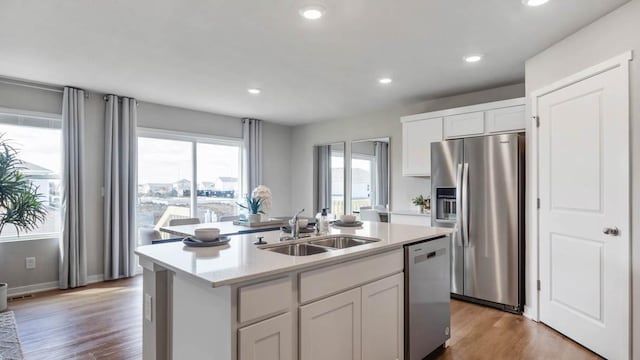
pixel 100 321
pixel 103 321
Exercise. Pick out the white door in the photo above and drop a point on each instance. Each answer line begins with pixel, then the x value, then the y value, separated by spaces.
pixel 267 340
pixel 331 328
pixel 584 209
pixel 383 319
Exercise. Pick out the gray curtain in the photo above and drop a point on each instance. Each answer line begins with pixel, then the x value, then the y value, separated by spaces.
pixel 120 187
pixel 381 154
pixel 73 249
pixel 252 136
pixel 323 177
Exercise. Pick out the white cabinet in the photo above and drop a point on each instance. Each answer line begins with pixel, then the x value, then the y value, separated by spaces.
pixel 331 328
pixel 264 299
pixel 470 124
pixel 506 119
pixel 383 319
pixel 363 323
pixel 267 340
pixel 417 136
pixel 420 130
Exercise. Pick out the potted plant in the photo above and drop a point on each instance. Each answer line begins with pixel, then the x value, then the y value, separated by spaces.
pixel 20 204
pixel 420 203
pixel 254 206
pixel 263 193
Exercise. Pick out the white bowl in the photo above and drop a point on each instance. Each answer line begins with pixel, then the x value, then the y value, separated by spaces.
pixel 206 234
pixel 303 223
pixel 347 219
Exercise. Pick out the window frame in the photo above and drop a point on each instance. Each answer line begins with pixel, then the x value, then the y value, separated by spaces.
pixel 194 139
pixel 45 116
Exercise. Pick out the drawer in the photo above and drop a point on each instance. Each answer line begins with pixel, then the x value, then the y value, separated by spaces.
pixel 464 125
pixel 264 299
pixel 330 280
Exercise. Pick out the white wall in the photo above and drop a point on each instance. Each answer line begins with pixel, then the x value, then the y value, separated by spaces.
pixel 607 37
pixel 377 125
pixel 277 142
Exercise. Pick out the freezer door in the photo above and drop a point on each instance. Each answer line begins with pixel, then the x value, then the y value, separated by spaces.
pixel 446 177
pixel 490 218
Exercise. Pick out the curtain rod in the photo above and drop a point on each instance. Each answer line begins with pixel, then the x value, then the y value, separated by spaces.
pixel 31 85
pixel 106 97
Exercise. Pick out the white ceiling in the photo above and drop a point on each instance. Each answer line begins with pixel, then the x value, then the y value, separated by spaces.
pixel 204 54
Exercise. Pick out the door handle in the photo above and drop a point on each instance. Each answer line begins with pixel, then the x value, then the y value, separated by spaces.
pixel 458 235
pixel 614 231
pixel 465 204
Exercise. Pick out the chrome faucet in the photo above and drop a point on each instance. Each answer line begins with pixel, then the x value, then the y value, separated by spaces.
pixel 293 223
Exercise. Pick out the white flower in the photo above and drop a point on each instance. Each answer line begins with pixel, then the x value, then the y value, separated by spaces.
pixel 264 193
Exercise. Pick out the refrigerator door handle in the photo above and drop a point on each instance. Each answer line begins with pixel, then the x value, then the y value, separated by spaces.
pixel 459 225
pixel 465 205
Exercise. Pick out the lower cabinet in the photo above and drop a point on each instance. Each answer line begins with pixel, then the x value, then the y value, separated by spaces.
pixel 383 319
pixel 363 323
pixel 331 328
pixel 267 340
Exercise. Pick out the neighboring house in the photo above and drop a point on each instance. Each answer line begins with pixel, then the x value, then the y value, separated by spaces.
pixel 226 183
pixel 182 187
pixel 45 180
pixel 207 185
pixel 155 188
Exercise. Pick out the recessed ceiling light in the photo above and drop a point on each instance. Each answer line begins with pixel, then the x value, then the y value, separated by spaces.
pixel 312 12
pixel 534 2
pixel 473 58
pixel 254 91
pixel 385 81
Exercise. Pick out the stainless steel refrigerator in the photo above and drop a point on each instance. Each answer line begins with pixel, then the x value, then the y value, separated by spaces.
pixel 477 187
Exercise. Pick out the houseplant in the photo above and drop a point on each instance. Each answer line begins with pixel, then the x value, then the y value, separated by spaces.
pixel 263 193
pixel 420 203
pixel 254 206
pixel 20 204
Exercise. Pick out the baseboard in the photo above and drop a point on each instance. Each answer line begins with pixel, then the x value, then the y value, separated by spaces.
pixel 46 286
pixel 529 313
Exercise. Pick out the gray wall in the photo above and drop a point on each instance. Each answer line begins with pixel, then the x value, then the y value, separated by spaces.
pixel 608 37
pixel 377 125
pixel 277 143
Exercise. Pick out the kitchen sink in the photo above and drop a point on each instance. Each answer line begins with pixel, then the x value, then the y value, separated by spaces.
pixel 341 242
pixel 297 249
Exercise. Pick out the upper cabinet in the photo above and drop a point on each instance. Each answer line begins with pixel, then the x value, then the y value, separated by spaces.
pixel 506 119
pixel 419 131
pixel 469 124
pixel 417 136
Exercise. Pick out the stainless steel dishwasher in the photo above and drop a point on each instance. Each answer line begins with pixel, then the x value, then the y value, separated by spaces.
pixel 427 315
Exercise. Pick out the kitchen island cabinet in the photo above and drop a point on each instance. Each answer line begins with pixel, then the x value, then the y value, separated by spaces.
pixel 242 301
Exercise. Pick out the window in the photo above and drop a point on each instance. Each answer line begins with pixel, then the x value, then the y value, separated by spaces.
pixel 362 181
pixel 183 176
pixel 38 140
pixel 337 181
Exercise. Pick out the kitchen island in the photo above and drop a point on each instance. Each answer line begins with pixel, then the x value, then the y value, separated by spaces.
pixel 246 301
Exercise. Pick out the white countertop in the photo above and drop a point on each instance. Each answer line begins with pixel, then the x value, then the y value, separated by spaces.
pixel 411 212
pixel 240 260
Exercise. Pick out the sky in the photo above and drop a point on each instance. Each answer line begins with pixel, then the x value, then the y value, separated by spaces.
pixel 167 161
pixel 41 146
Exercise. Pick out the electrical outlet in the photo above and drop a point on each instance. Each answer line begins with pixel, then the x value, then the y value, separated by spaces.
pixel 30 262
pixel 147 307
